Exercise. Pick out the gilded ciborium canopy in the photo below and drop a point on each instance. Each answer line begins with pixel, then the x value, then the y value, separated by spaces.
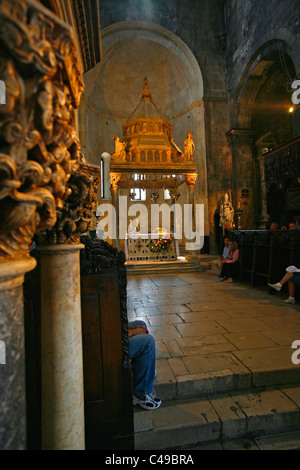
pixel 147 138
pixel 148 149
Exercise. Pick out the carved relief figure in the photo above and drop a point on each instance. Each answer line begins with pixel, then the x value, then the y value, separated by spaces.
pixel 189 146
pixel 120 153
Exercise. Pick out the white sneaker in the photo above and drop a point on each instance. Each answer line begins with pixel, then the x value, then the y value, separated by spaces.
pixel 149 402
pixel 290 301
pixel 275 286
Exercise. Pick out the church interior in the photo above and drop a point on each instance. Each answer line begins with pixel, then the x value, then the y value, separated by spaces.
pixel 136 137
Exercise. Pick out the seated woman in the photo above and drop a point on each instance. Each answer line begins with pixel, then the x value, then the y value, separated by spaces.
pixel 231 265
pixel 293 279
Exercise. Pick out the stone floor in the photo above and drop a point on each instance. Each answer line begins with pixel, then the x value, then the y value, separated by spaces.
pixel 223 350
pixel 202 325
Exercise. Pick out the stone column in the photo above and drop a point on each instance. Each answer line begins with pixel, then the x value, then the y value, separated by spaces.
pixel 190 181
pixel 62 371
pixel 174 195
pixel 241 143
pixel 106 170
pixel 263 191
pixel 12 360
pixel 114 189
pixel 61 349
pixel 262 145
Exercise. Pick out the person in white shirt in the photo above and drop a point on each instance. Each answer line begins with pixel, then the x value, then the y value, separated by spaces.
pixel 218 263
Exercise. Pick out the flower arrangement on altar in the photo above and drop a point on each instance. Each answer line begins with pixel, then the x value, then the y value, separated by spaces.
pixel 163 244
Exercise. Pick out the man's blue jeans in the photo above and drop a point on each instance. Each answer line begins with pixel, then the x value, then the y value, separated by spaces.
pixel 142 354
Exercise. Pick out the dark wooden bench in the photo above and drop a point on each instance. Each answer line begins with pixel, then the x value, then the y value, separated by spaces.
pixel 245 241
pixel 265 255
pixel 261 257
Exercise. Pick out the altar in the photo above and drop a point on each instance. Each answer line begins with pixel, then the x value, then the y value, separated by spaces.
pixel 151 247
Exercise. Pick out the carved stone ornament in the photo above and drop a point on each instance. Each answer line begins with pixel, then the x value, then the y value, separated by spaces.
pixel 97 256
pixel 75 218
pixel 190 180
pixel 240 137
pixel 39 149
pixel 115 179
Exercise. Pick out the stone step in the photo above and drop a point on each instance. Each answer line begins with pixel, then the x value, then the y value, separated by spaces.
pixel 198 264
pixel 164 267
pixel 218 417
pixel 222 372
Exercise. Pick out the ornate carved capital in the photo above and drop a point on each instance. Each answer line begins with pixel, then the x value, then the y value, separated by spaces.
pixel 76 216
pixel 240 137
pixel 114 180
pixel 190 180
pixel 39 148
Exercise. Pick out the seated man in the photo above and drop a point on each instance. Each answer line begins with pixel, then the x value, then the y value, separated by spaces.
pixel 293 279
pixel 142 354
pixel 225 255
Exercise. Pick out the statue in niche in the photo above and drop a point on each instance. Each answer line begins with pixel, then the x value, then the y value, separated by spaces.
pixel 189 146
pixel 226 211
pixel 120 153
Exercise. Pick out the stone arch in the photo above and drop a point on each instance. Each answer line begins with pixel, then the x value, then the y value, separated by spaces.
pixel 264 66
pixel 261 112
pixel 130 51
pixel 127 30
